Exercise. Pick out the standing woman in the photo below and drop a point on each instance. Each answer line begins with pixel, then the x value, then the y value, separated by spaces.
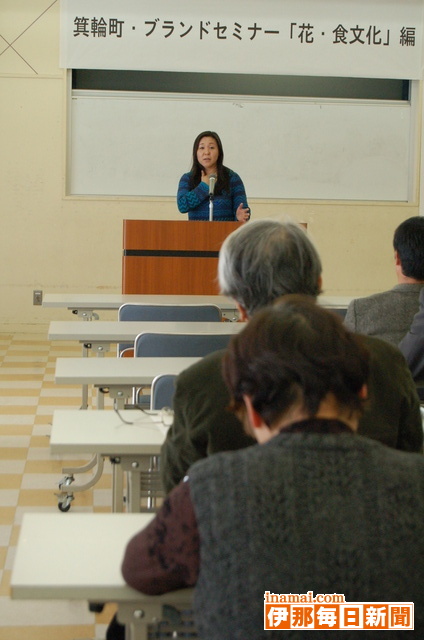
pixel 230 202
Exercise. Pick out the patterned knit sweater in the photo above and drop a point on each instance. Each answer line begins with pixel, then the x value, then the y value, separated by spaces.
pixel 195 202
pixel 315 509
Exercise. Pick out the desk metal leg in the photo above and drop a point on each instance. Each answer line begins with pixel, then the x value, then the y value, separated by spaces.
pixel 100 400
pixel 71 470
pixel 137 619
pixel 155 484
pixel 177 618
pixel 117 486
pixel 100 351
pixel 133 493
pixel 84 401
pixel 119 395
pixel 143 482
pixel 85 314
pixel 65 497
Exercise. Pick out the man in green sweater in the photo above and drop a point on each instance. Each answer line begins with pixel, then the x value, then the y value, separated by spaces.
pixel 259 263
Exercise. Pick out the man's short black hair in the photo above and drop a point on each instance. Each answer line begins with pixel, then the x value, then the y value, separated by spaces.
pixel 408 241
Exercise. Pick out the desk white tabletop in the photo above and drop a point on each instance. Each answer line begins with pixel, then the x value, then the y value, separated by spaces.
pixel 74 556
pixel 104 433
pixel 337 302
pixel 114 301
pixel 123 331
pixel 117 371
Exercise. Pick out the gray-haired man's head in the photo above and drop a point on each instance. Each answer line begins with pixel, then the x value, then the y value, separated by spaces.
pixel 266 259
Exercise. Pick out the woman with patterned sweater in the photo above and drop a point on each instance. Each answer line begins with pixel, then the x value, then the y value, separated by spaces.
pixel 208 174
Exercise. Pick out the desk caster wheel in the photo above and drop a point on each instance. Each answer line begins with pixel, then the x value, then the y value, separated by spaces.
pixel 64 504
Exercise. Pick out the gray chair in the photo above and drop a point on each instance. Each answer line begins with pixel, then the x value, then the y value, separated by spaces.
pixel 161 395
pixel 167 312
pixel 175 345
pixel 162 391
pixel 152 345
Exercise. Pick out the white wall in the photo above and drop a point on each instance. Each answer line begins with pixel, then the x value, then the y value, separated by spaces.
pixel 57 244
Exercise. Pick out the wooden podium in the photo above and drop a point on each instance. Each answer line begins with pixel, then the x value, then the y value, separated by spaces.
pixel 172 257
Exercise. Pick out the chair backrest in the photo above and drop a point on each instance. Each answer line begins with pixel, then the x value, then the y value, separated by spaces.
pixel 176 345
pixel 167 312
pixel 162 391
pixel 170 312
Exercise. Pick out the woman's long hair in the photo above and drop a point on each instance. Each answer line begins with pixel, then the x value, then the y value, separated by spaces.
pixel 223 175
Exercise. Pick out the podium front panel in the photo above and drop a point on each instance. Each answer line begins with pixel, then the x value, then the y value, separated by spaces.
pixel 172 257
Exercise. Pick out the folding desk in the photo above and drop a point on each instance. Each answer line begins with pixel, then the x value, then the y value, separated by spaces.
pixel 100 335
pixel 103 333
pixel 130 446
pixel 79 557
pixel 118 375
pixel 84 305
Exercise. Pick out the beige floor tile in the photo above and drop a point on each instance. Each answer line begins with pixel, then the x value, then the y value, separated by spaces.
pixel 50 384
pixel 14 535
pixel 107 614
pixel 15 430
pixel 39 441
pixel 31 340
pixel 101 509
pixel 71 401
pixel 10 481
pixel 44 466
pixel 8 497
pixel 17 393
pixel 5 584
pixel 19 409
pixel 24 377
pixel 7 515
pixel 3 554
pixel 47 633
pixel 41 419
pixel 46 498
pixel 13 454
pixel 12 466
pixel 37 366
pixel 5 535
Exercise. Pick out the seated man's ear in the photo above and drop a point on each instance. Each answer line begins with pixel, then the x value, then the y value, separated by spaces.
pixel 243 317
pixel 363 393
pixel 254 418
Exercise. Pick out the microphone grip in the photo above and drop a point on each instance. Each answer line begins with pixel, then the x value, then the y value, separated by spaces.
pixel 212 181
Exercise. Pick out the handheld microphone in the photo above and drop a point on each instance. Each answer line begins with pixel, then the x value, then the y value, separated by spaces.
pixel 212 180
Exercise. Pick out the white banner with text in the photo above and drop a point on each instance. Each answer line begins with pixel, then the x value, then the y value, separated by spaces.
pixel 355 38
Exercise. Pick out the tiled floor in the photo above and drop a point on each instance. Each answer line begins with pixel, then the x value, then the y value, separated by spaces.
pixel 29 477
